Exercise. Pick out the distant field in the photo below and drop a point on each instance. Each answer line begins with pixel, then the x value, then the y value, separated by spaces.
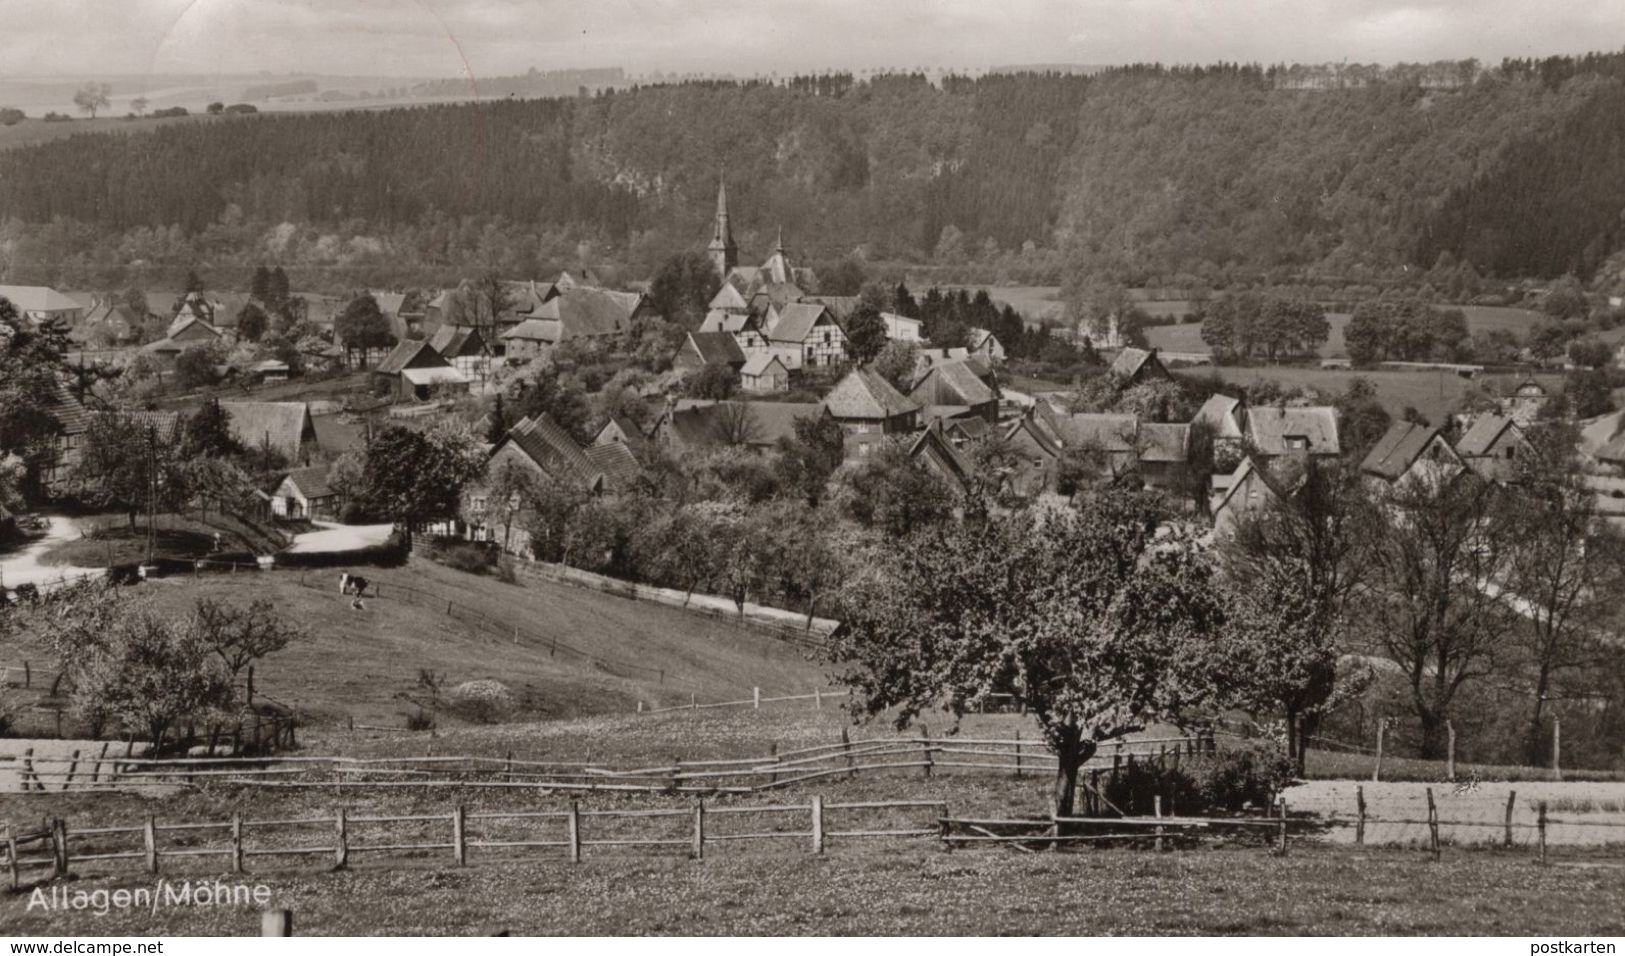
pixel 1434 394
pixel 1187 337
pixel 33 131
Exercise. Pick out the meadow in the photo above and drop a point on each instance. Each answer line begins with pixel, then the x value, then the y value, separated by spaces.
pixel 1436 394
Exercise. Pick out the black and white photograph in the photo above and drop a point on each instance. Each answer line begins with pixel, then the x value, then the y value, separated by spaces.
pixel 812 468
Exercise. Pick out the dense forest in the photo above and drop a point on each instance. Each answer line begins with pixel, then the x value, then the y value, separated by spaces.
pixel 1143 175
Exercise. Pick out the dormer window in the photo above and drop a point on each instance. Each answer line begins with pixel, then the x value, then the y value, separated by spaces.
pixel 1297 442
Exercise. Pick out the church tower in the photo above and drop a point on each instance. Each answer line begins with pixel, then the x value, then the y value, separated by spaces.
pixel 722 250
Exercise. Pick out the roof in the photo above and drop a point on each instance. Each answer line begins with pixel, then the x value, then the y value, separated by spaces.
pixel 404 354
pixel 434 376
pixel 796 321
pixel 452 341
pixel 310 482
pixel 1397 449
pixel 618 464
pixel 1270 426
pixel 67 410
pixel 38 298
pixel 840 307
pixel 632 436
pixel 716 348
pixel 1110 433
pixel 586 311
pixel 729 297
pixel 546 443
pixel 1222 412
pixel 862 393
pixel 972 428
pixel 759 363
pixel 952 383
pixel 947 458
pixel 166 424
pixel 1130 361
pixel 186 321
pixel 702 425
pixel 1486 430
pixel 718 321
pixel 285 426
pixel 535 330
pixel 1163 442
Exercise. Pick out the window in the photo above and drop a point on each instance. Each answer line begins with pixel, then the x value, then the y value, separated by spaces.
pixel 1511 452
pixel 477 503
pixel 1297 442
pixel 826 336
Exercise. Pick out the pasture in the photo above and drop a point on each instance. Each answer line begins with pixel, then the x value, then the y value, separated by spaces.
pixel 1436 394
pixel 1187 336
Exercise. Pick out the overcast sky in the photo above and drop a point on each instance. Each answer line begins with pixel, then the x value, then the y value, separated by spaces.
pixel 443 38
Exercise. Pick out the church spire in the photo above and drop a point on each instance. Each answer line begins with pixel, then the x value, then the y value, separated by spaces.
pixel 722 250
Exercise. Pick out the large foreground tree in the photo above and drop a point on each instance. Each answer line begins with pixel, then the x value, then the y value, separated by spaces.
pixel 1093 622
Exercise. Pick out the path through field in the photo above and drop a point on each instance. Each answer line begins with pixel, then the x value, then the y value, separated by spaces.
pixel 25 566
pixel 340 537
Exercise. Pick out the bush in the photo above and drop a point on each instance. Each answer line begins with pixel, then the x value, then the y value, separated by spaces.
pixel 481 701
pixel 11 116
pixel 471 557
pixel 1250 774
pixel 420 719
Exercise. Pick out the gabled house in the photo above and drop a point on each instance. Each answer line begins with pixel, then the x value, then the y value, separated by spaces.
pixel 937 453
pixel 1492 445
pixel 38 303
pixel 743 326
pixel 1247 489
pixel 57 472
pixel 764 374
pixel 620 430
pixel 901 328
pixel 284 427
pixel 538 446
pixel 1409 452
pixel 464 348
pixel 1138 366
pixel 1162 451
pixel 1037 451
pixel 702 349
pixel 1224 415
pixel 305 494
pixel 1525 402
pixel 530 339
pixel 868 408
pixel 1274 430
pixel 414 372
pixel 617 463
pixel 805 335
pixel 987 345
pixel 957 384
pixel 756 426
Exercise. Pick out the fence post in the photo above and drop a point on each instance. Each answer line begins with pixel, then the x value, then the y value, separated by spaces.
pixel 459 841
pixel 1557 749
pixel 699 829
pixel 640 706
pixel 59 833
pixel 1540 822
pixel 96 775
pixel 573 826
pixel 1018 753
pixel 73 768
pixel 28 675
pixel 1156 809
pixel 818 700
pixel 925 748
pixel 149 840
pixel 236 843
pixel 1359 820
pixel 1450 751
pixel 1283 826
pixel 276 923
pixel 773 751
pixel 11 858
pixel 846 748
pixel 817 824
pixel 1512 796
pixel 693 704
pixel 341 852
pixel 1433 825
pixel 756 697
pixel 1376 770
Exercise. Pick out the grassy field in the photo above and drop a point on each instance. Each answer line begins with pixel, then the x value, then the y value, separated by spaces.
pixel 361 665
pixel 109 540
pixel 1434 394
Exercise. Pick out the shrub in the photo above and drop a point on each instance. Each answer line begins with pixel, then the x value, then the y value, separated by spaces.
pixel 1231 780
pixel 11 116
pixel 481 701
pixel 471 557
pixel 420 719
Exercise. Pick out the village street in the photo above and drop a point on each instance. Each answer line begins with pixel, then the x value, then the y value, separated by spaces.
pixel 25 567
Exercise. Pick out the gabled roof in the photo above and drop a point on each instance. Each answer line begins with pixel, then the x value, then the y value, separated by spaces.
pixel 952 383
pixel 434 375
pixel 1485 431
pixel 969 428
pixel 186 321
pixel 546 443
pixel 66 409
pixel 1163 442
pixel 38 298
pixel 980 338
pixel 1270 427
pixel 617 463
pixel 412 353
pixel 945 459
pixel 796 321
pixel 1398 449
pixel 759 363
pixel 586 311
pixel 453 341
pixel 862 393
pixel 703 425
pixel 840 307
pixel 535 330
pixel 1130 361
pixel 729 297
pixel 1223 413
pixel 166 424
pixel 715 348
pixel 286 426
pixel 719 321
pixel 1109 433
pixel 309 482
pixel 631 435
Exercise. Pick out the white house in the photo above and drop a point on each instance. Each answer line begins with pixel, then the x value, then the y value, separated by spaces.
pixel 901 328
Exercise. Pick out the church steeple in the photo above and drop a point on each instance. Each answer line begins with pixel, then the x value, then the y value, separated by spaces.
pixel 722 250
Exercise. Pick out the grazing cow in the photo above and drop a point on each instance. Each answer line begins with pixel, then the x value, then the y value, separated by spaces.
pixel 358 584
pixel 344 582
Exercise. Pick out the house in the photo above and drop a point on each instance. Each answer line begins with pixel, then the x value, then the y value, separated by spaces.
pixel 805 335
pixel 868 408
pixel 937 453
pixel 756 426
pixel 464 347
pixel 620 430
pixel 764 373
pixel 530 339
pixel 1113 438
pixel 305 494
pixel 164 426
pixel 1224 416
pixel 106 321
pixel 1525 403
pixel 579 312
pixel 269 370
pixel 1247 489
pixel 617 463
pixel 414 372
pixel 283 427
pixel 538 446
pixel 963 431
pixel 956 383
pixel 1138 366
pixel 987 345
pixel 703 349
pixel 38 303
pixel 1037 452
pixel 1492 445
pixel 1274 430
pixel 57 472
pixel 1409 452
pixel 1161 451
pixel 743 326
pixel 901 328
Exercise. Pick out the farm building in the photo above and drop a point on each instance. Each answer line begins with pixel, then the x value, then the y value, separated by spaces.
pixel 413 372
pixel 1492 445
pixel 805 335
pixel 987 345
pixel 1248 488
pixel 764 373
pixel 305 494
pixel 1408 452
pixel 1161 451
pixel 702 349
pixel 1304 430
pixel 1138 366
pixel 901 328
pixel 956 383
pixel 869 408
pixel 285 428
pixel 464 347
pixel 38 303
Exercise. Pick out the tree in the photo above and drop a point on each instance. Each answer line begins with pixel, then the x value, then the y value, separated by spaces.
pixel 551 515
pixel 1590 353
pixel 1361 419
pixel 207 433
pixel 807 461
pixel 197 366
pixel 126 466
pixel 241 635
pixel 547 391
pixel 362 326
pixel 194 283
pixel 138 106
pixel 1081 614
pixel 1433 555
pixel 215 108
pixel 510 490
pixel 92 97
pixel 865 334
pixel 33 366
pixel 683 288
pixel 259 287
pixel 252 322
pixel 896 494
pixel 1589 393
pixel 416 477
pixel 896 363
pixel 497 424
pixel 716 382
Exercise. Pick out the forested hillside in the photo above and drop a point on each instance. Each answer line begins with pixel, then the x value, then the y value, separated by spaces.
pixel 1140 174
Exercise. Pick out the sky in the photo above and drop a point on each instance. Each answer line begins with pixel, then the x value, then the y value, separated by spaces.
pixel 452 38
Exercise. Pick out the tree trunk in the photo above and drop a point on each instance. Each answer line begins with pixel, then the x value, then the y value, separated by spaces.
pixel 1433 734
pixel 1534 745
pixel 1071 751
